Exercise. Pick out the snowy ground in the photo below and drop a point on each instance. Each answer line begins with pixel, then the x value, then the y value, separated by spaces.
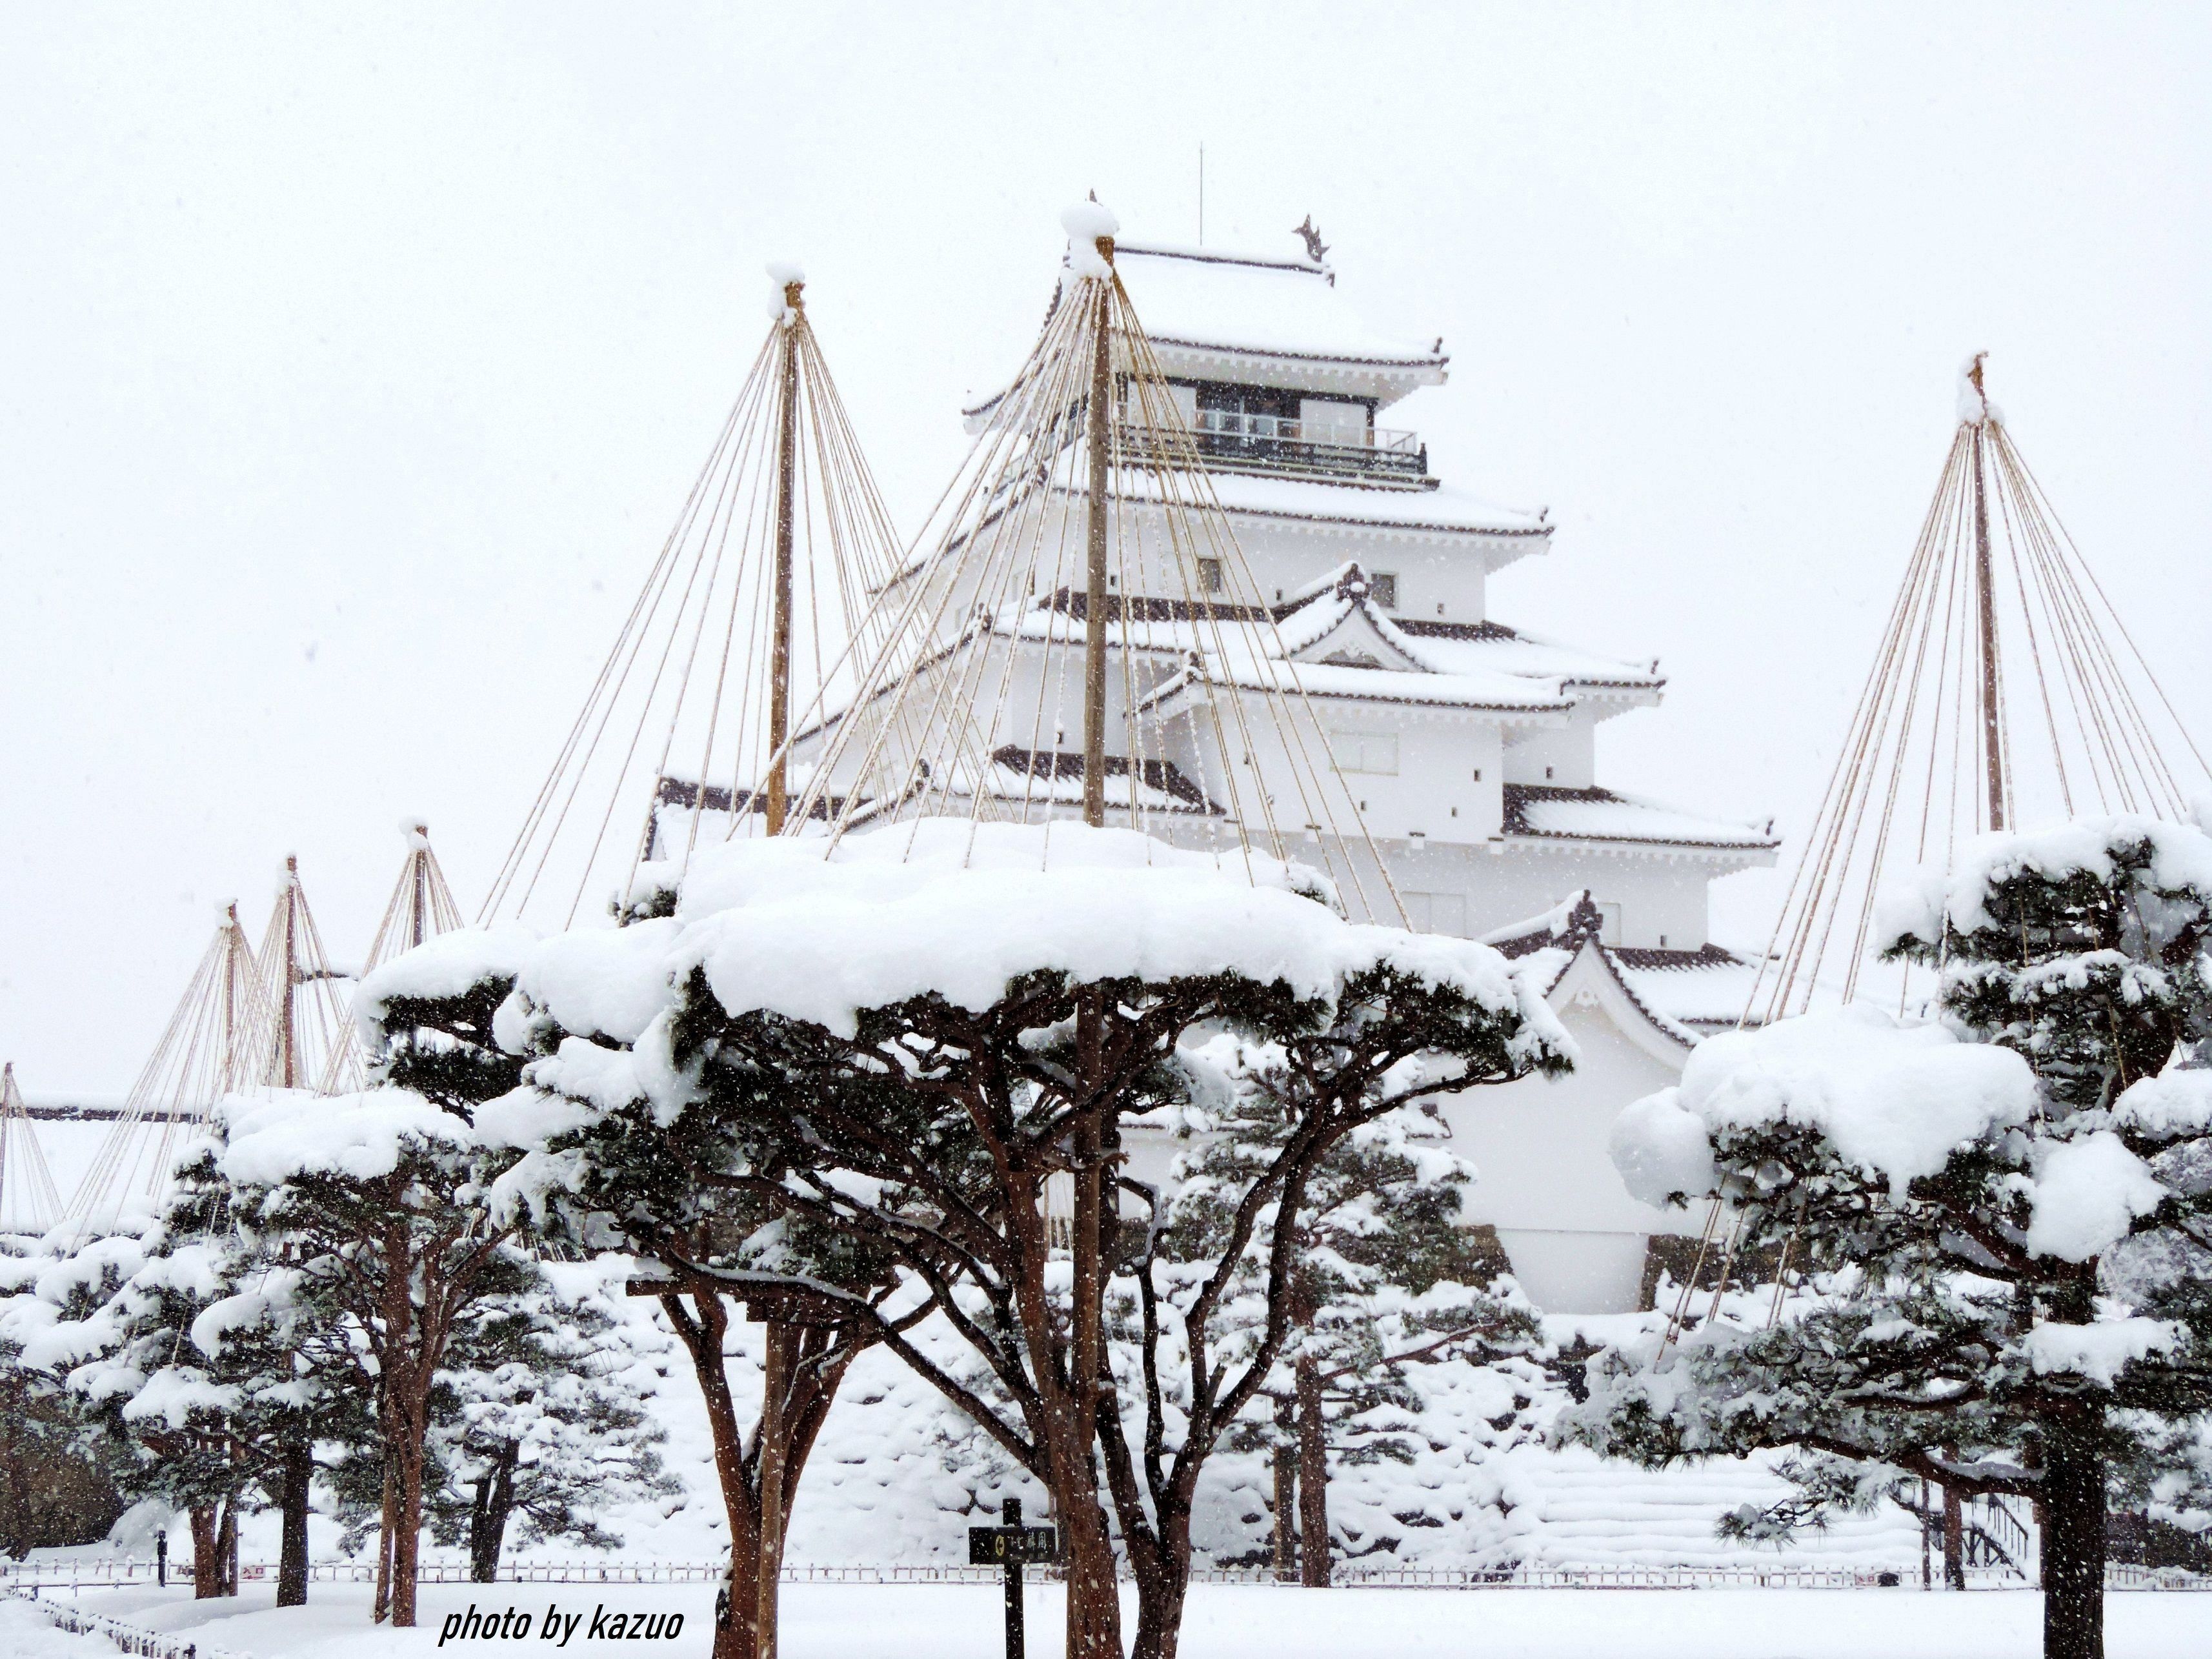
pixel 825 1621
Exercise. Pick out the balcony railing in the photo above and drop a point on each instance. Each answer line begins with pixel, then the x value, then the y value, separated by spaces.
pixel 1280 443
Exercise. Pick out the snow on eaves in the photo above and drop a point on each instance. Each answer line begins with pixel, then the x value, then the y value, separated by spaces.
pixel 1558 812
pixel 1337 505
pixel 1258 303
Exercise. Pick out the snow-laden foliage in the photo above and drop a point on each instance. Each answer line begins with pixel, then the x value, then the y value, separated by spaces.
pixel 207 1372
pixel 900 1041
pixel 2007 1215
pixel 543 1418
pixel 1385 1285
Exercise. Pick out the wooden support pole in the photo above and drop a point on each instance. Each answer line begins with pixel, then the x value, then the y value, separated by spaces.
pixel 417 928
pixel 786 456
pixel 288 1035
pixel 1985 598
pixel 1094 620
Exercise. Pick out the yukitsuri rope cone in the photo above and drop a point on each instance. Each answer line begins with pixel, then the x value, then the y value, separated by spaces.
pixel 1943 744
pixel 421 907
pixel 2006 689
pixel 28 1200
pixel 759 596
pixel 271 1017
pixel 1080 635
pixel 209 1048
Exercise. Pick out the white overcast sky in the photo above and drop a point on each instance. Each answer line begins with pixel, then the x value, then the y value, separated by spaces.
pixel 353 362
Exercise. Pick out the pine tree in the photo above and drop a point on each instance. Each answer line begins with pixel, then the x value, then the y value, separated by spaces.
pixel 540 1416
pixel 60 1464
pixel 376 1202
pixel 210 1383
pixel 942 1161
pixel 622 1181
pixel 2010 1210
pixel 1384 1280
pixel 906 1061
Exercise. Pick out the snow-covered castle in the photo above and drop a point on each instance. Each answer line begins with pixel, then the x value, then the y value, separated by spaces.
pixel 1470 745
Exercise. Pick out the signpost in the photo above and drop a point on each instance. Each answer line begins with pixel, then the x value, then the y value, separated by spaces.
pixel 1009 1545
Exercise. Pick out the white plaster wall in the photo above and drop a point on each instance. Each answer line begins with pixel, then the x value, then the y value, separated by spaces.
pixel 1568 752
pixel 1436 581
pixel 1439 751
pixel 1663 899
pixel 1575 1236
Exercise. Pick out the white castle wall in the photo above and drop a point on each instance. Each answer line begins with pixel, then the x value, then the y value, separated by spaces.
pixel 1575 1236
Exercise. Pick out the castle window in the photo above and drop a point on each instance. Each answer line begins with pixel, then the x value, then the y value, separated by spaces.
pixel 1209 576
pixel 1382 588
pixel 1435 912
pixel 1365 751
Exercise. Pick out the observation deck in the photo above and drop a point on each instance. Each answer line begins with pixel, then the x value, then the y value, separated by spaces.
pixel 1278 445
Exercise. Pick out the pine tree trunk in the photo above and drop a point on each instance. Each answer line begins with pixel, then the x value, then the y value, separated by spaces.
pixel 292 1558
pixel 1071 1413
pixel 702 1327
pixel 387 1523
pixel 1162 1587
pixel 1284 1458
pixel 1313 1478
pixel 494 1503
pixel 407 1538
pixel 207 1565
pixel 1954 1533
pixel 225 1545
pixel 2074 1540
pixel 1094 1598
pixel 778 1363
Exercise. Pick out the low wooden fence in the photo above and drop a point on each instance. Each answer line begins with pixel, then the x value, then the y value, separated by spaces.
pixel 140 1644
pixel 119 1572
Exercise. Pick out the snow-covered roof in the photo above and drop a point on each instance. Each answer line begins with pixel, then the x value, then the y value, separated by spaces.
pixel 1492 646
pixel 1262 320
pixel 1338 603
pixel 1396 510
pixel 1210 301
pixel 1684 995
pixel 1706 990
pixel 1500 694
pixel 1549 811
pixel 1032 777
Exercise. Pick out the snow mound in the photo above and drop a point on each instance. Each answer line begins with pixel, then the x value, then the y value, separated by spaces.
pixel 1085 223
pixel 1894 1099
pixel 2181 856
pixel 446 966
pixel 2088 1194
pixel 288 1133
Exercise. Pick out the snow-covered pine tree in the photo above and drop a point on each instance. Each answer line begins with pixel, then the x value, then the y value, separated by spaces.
pixel 605 1173
pixel 59 1464
pixel 541 1415
pixel 2009 1212
pixel 377 1204
pixel 900 1039
pixel 927 1045
pixel 215 1379
pixel 1384 1279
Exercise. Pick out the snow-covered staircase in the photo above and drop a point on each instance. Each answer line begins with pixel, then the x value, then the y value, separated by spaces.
pixel 1570 1508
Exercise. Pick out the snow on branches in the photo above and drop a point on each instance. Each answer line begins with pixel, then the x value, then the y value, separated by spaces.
pixel 897 1043
pixel 2005 1213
